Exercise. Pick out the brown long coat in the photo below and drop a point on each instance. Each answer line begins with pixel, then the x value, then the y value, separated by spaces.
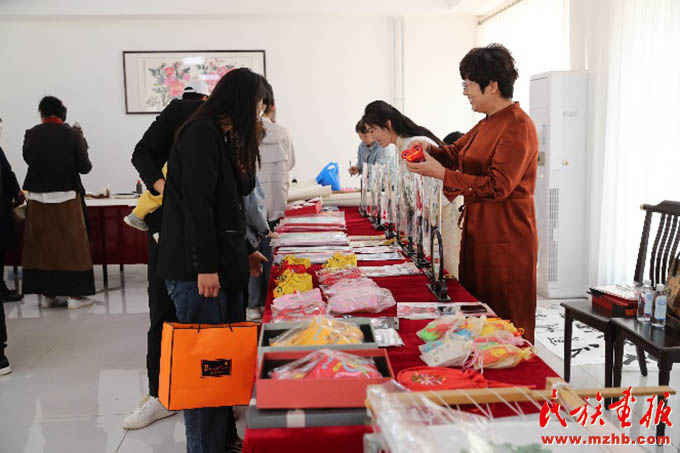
pixel 494 167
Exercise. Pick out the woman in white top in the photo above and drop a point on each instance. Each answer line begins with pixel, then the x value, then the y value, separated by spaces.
pixel 277 156
pixel 388 125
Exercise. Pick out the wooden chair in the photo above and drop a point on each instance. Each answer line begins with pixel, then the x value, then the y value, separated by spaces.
pixel 663 344
pixel 663 250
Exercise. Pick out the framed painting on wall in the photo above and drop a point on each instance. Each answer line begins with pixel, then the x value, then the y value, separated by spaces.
pixel 154 78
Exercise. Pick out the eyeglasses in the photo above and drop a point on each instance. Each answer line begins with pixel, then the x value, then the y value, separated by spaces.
pixel 466 85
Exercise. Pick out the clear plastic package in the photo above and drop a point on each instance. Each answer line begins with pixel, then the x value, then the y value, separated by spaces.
pixel 394 256
pixel 300 305
pixel 387 338
pixel 330 276
pixel 320 330
pixel 436 329
pixel 390 270
pixel 349 296
pixel 327 363
pixel 450 350
pixel 316 239
pixel 489 354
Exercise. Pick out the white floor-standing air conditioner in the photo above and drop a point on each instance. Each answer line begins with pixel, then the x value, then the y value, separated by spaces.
pixel 557 105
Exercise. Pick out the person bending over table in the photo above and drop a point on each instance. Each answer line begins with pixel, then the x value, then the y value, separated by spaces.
pixel 389 126
pixel 203 253
pixel 494 167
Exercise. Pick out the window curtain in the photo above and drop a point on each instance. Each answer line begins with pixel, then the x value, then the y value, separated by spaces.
pixel 537 34
pixel 633 59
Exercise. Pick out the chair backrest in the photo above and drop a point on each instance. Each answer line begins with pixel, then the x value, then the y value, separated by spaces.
pixel 665 244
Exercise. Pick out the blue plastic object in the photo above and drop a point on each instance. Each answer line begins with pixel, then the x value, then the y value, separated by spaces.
pixel 329 176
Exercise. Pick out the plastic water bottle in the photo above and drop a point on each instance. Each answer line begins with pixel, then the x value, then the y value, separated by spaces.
pixel 660 304
pixel 648 294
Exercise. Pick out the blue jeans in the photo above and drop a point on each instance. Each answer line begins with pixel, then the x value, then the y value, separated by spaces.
pixel 257 286
pixel 209 429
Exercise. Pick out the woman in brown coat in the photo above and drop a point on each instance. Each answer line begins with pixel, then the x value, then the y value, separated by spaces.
pixel 493 167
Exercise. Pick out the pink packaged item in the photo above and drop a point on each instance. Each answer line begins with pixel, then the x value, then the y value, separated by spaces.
pixel 330 276
pixel 327 363
pixel 298 306
pixel 362 294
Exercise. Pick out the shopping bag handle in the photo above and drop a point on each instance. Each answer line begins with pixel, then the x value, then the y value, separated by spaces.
pixel 223 316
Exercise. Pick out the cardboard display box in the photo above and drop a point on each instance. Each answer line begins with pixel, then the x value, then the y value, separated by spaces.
pixel 315 393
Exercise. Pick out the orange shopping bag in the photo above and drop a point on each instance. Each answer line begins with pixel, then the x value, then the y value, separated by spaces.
pixel 207 365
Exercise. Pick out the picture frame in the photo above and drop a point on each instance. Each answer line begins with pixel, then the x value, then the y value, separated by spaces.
pixel 154 78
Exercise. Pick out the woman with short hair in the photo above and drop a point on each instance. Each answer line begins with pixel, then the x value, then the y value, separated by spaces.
pixel 56 255
pixel 494 167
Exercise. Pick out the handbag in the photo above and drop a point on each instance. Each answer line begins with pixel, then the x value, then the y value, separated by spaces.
pixel 207 365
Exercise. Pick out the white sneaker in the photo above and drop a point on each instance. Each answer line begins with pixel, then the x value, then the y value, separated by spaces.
pixel 52 302
pixel 135 222
pixel 149 410
pixel 253 314
pixel 81 302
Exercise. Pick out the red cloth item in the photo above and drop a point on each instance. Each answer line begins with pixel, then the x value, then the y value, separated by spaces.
pixel 413 154
pixel 440 378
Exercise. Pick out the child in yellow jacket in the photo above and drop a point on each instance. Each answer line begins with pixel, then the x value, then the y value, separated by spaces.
pixel 146 204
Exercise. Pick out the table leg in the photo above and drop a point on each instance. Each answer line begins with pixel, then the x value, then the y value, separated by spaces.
pixel 122 269
pixel 608 358
pixel 665 366
pixel 16 278
pixel 105 275
pixel 618 356
pixel 641 360
pixel 568 322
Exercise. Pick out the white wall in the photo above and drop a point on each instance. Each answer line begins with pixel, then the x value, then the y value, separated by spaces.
pixel 324 70
pixel 433 48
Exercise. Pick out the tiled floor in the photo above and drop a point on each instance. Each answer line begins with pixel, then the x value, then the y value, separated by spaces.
pixel 77 373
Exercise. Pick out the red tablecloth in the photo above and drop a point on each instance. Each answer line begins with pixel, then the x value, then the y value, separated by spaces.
pixel 404 289
pixel 111 240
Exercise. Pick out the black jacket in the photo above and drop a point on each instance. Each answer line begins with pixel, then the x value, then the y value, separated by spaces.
pixel 203 220
pixel 153 150
pixel 9 189
pixel 56 155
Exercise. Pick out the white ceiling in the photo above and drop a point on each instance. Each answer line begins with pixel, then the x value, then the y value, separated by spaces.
pixel 244 7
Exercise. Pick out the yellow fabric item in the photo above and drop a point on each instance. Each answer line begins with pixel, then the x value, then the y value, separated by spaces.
pixel 294 261
pixel 147 202
pixel 289 283
pixel 340 260
pixel 494 324
pixel 321 330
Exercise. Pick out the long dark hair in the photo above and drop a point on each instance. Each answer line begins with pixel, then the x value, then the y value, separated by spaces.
pixel 377 113
pixel 235 97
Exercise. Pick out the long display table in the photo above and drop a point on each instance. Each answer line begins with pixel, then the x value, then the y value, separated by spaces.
pixel 331 439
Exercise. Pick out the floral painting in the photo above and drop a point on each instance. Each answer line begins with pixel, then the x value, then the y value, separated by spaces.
pixel 153 79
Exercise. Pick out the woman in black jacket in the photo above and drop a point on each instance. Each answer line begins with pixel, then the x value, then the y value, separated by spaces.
pixel 204 255
pixel 56 256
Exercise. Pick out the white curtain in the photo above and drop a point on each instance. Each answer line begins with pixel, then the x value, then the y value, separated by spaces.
pixel 537 34
pixel 633 57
